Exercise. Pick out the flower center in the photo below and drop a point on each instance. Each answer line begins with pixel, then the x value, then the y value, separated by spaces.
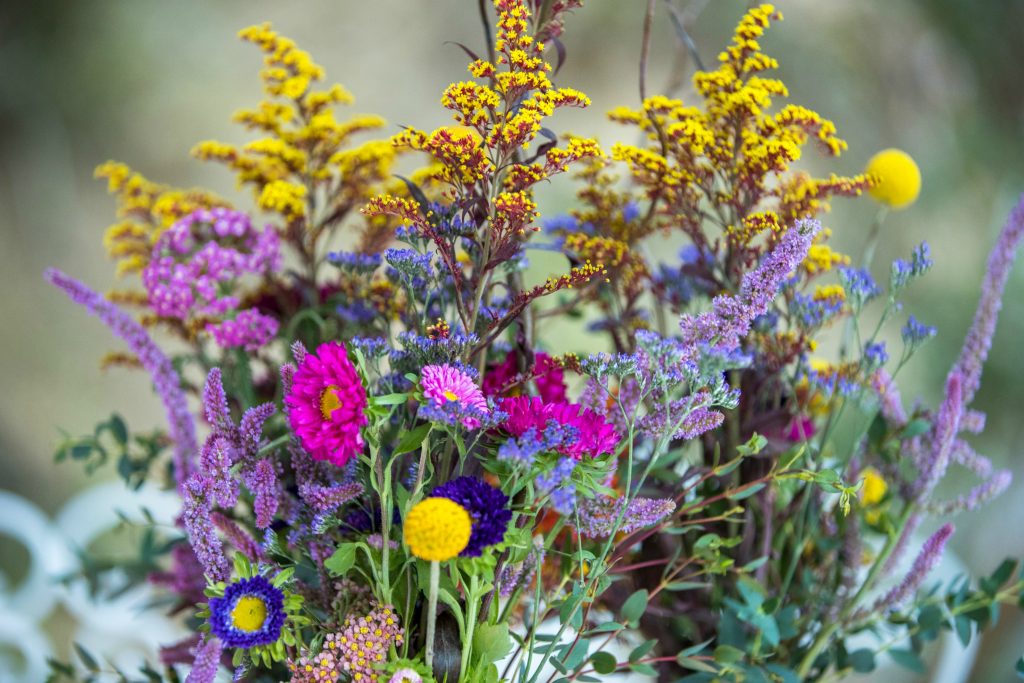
pixel 249 613
pixel 451 395
pixel 329 401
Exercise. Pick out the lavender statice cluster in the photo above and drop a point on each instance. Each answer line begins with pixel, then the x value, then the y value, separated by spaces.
pixel 195 268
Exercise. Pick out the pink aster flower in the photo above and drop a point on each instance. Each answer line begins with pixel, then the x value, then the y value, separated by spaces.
pixel 326 405
pixel 446 383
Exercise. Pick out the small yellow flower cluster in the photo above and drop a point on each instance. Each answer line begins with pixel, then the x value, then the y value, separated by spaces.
pixel 604 250
pixel 146 209
pixel 577 276
pixel 731 154
pixel 821 258
pixel 306 147
pixel 834 293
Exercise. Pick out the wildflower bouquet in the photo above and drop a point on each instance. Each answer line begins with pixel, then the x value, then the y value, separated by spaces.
pixel 405 475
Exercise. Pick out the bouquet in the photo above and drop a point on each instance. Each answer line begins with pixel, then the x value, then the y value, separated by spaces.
pixel 392 467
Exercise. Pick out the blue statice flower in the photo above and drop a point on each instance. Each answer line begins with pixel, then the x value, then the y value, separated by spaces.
pixel 532 443
pixel 859 286
pixel 409 264
pixel 875 356
pixel 419 350
pixel 372 347
pixel 558 484
pixel 631 211
pixel 445 221
pixel 354 261
pixel 916 332
pixel 601 365
pixel 904 271
pixel 357 311
pixel 561 224
pixel 812 313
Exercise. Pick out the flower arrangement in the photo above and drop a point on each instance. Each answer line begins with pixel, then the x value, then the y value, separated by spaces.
pixel 405 477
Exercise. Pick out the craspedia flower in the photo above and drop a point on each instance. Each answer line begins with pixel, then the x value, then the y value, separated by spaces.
pixel 437 529
pixel 251 613
pixel 326 405
pixel 444 384
pixel 898 180
pixel 874 488
pixel 487 507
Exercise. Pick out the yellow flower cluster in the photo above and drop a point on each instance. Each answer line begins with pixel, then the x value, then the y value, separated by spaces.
pixel 821 258
pixel 604 250
pixel 306 149
pixel 728 162
pixel 146 209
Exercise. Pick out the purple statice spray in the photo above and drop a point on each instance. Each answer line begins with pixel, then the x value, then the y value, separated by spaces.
pixel 979 337
pixel 166 381
pixel 730 318
pixel 923 565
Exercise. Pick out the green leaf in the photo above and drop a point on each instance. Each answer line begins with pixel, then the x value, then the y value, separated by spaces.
pixel 87 659
pixel 641 650
pixel 389 399
pixel 907 659
pixel 754 446
pixel 634 606
pixel 412 440
pixel 343 559
pixel 915 427
pixel 747 492
pixel 862 661
pixel 604 662
pixel 1020 667
pixel 696 665
pixel 118 429
pixel 727 654
pixel 962 626
pixel 491 642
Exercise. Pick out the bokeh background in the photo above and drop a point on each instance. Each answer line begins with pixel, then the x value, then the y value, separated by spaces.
pixel 142 81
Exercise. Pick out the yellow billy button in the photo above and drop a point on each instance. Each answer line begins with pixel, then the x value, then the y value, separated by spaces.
pixel 897 178
pixel 437 529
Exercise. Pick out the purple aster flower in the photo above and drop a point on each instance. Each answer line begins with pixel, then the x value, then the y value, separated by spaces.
pixel 251 613
pixel 165 379
pixel 487 507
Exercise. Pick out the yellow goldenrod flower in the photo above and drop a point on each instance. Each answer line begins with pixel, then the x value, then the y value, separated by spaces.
pixel 897 178
pixel 437 529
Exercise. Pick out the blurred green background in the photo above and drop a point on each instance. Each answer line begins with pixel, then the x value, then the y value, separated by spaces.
pixel 141 82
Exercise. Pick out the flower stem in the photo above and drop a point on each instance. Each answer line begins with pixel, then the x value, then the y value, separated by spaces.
pixel 435 581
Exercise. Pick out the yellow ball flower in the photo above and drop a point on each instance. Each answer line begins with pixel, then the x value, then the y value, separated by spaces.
pixel 897 176
pixel 437 529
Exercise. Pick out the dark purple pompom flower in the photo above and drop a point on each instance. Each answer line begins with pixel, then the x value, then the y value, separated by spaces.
pixel 250 614
pixel 487 506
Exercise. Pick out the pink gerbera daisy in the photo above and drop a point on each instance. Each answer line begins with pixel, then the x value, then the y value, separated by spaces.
pixel 326 405
pixel 443 384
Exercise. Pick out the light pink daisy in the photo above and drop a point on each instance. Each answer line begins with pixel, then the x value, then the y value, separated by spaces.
pixel 326 405
pixel 444 384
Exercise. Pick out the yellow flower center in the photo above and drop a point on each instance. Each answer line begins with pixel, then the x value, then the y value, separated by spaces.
pixel 451 395
pixel 437 529
pixel 249 613
pixel 329 401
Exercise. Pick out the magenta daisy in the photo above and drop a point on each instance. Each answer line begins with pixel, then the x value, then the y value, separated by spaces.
pixel 326 405
pixel 443 384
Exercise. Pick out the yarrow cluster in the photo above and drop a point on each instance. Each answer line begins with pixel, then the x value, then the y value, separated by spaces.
pixel 427 459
